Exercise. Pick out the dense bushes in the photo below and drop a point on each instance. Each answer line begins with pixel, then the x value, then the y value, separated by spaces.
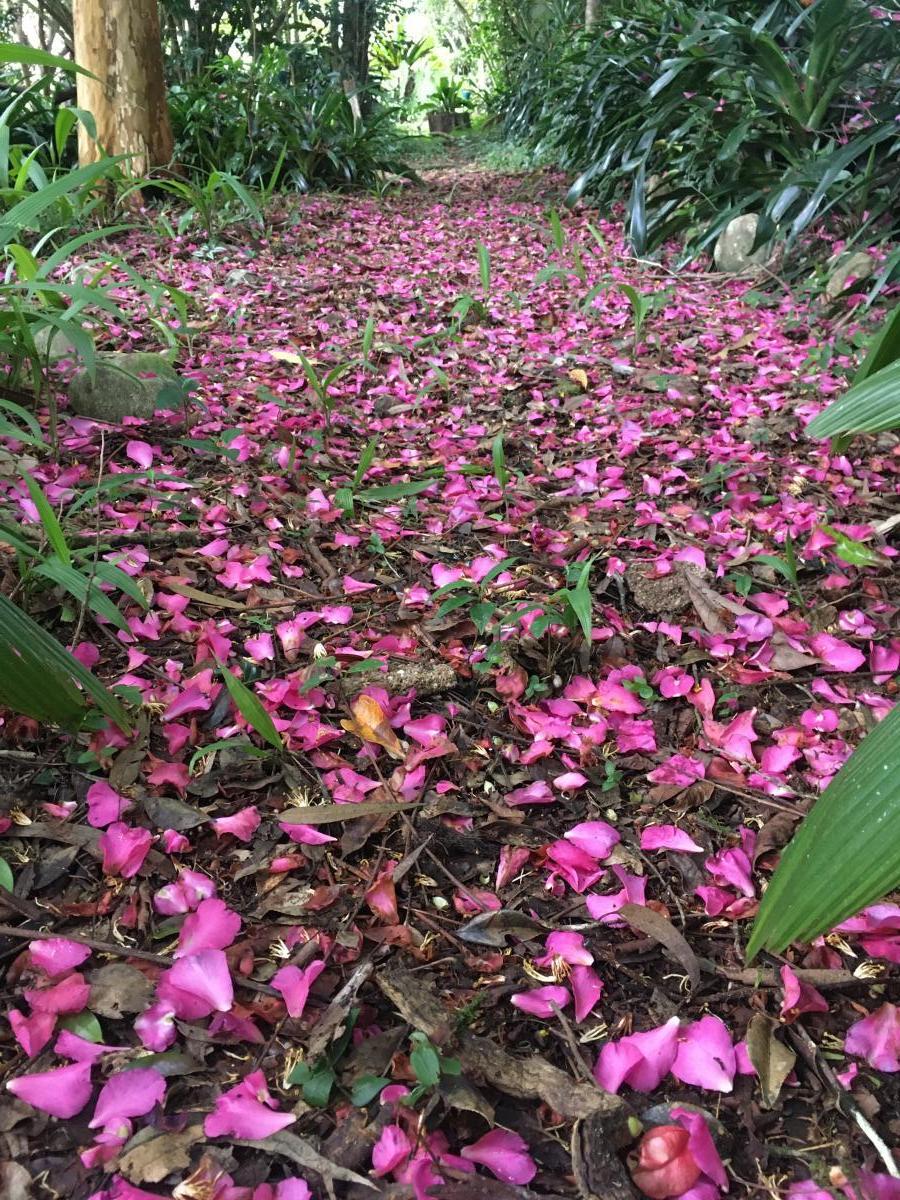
pixel 270 119
pixel 695 114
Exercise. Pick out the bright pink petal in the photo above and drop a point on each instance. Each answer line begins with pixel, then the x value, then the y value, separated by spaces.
pixel 198 985
pixel 641 1060
pixel 799 997
pixel 294 985
pixel 54 956
pixel 391 1151
pixel 539 1001
pixel 876 1038
pixel 242 825
pixel 705 1056
pixel 595 838
pixel 62 1092
pixel 105 805
pixel 140 453
pixel 32 1032
pixel 128 1094
pixel 243 1117
pixel 505 1155
pixel 668 837
pixel 69 995
pixel 124 849
pixel 702 1146
pixel 306 835
pixel 587 987
pixel 212 927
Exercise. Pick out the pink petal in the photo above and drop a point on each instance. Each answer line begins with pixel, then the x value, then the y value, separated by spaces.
pixel 54 956
pixel 292 1189
pixel 587 988
pixel 32 1032
pixel 212 927
pixel 62 1092
pixel 306 835
pixel 78 1049
pixel 124 849
pixel 876 1038
pixel 533 793
pixel 834 653
pixel 568 946
pixel 702 1146
pixel 156 1026
pixel 69 995
pixel 128 1094
pixel 391 1151
pixel 198 985
pixel 539 1001
pixel 294 985
pixel 799 997
pixel 243 1117
pixel 242 825
pixel 140 453
pixel 105 805
pixel 595 838
pixel 640 1060
pixel 668 837
pixel 571 781
pixel 505 1155
pixel 705 1056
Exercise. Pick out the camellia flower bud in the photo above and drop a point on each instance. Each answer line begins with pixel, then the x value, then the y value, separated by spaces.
pixel 665 1166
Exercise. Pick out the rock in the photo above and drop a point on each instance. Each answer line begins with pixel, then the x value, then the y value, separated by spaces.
pixel 733 248
pixel 124 385
pixel 52 344
pixel 662 594
pixel 858 265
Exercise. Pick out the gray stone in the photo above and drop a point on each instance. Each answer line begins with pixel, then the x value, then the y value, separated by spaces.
pixel 52 344
pixel 857 265
pixel 733 248
pixel 123 385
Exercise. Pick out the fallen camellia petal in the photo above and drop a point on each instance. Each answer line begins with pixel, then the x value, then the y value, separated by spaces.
pixel 294 984
pixel 55 956
pixel 539 1001
pixel 702 1146
pixel 705 1055
pixel 124 849
pixel 242 825
pixel 505 1155
pixel 32 1032
pixel 668 837
pixel 799 997
pixel 640 1060
pixel 198 985
pixel 68 995
pixel 62 1092
pixel 129 1094
pixel 246 1111
pixel 876 1038
pixel 665 1166
pixel 212 926
pixel 105 805
pixel 391 1151
pixel 587 987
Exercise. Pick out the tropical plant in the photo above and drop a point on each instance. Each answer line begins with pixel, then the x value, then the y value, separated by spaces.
pixel 695 115
pixel 845 855
pixel 872 402
pixel 447 96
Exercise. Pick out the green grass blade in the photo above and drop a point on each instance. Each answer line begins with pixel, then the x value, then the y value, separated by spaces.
pixel 250 707
pixel 52 527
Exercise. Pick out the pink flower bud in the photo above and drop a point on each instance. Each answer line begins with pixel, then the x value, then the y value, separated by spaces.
pixel 665 1165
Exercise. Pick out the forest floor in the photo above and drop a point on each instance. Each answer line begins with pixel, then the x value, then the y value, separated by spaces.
pixel 406 929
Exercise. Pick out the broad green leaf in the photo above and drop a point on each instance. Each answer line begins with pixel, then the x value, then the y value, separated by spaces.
pixel 849 550
pixel 424 1060
pixel 6 875
pixel 83 588
pixel 52 527
pixel 365 460
pixel 484 268
pixel 481 614
pixel 25 213
pixel 582 606
pixel 366 1088
pixel 393 491
pixel 84 1024
pixel 845 855
pixel 40 678
pixel 884 348
pixel 16 52
pixel 498 460
pixel 557 232
pixel 318 1086
pixel 250 707
pixel 872 406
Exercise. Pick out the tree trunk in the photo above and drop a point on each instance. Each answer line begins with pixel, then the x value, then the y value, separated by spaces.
pixel 591 14
pixel 119 41
pixel 359 19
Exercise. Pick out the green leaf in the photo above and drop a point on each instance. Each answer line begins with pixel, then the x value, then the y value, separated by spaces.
pixel 84 1024
pixel 40 678
pixel 24 214
pixel 365 460
pixel 498 459
pixel 15 52
pixel 83 588
pixel 556 230
pixel 845 855
pixel 884 349
pixel 6 875
pixel 52 527
pixel 481 614
pixel 872 406
pixel 393 491
pixel 317 1088
pixel 250 707
pixel 484 268
pixel 424 1060
pixel 366 1088
pixel 582 604
pixel 849 550
pixel 454 603
pixel 299 1075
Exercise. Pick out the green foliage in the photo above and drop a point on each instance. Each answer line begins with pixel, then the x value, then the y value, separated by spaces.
pixel 694 114
pixel 845 855
pixel 250 707
pixel 872 403
pixel 447 96
pixel 261 122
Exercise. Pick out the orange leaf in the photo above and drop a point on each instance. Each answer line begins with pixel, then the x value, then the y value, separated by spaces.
pixel 370 724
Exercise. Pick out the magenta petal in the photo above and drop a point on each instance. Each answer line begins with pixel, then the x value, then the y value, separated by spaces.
pixel 62 1092
pixel 105 805
pixel 640 1060
pixel 198 984
pixel 702 1146
pixel 244 1117
pixel 876 1038
pixel 539 1001
pixel 156 1026
pixel 212 927
pixel 124 849
pixel 32 1032
pixel 587 987
pixel 568 946
pixel 78 1049
pixel 54 956
pixel 595 838
pixel 799 997
pixel 504 1154
pixel 306 835
pixel 391 1151
pixel 705 1056
pixel 668 837
pixel 292 1189
pixel 128 1094
pixel 69 995
pixel 294 985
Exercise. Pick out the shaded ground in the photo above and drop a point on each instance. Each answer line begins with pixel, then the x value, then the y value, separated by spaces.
pixel 538 434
